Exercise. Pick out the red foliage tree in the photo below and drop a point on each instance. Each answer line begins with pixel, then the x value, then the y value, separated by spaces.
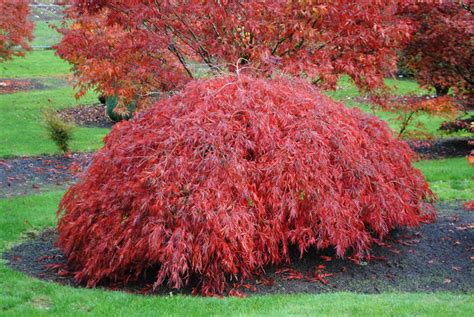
pixel 221 179
pixel 117 61
pixel 120 46
pixel 15 28
pixel 441 51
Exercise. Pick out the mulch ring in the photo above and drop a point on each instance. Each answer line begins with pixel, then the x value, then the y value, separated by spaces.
pixel 26 175
pixel 87 116
pixel 434 257
pixel 441 148
pixel 9 85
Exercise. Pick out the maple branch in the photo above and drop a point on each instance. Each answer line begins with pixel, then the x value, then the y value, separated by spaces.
pixel 214 28
pixel 172 48
pixel 463 75
pixel 300 43
pixel 405 123
pixel 280 41
pixel 201 50
pixel 183 38
pixel 297 47
pixel 469 81
pixel 186 39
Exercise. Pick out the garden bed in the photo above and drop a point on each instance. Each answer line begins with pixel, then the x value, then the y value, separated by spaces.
pixel 435 257
pixel 441 148
pixel 10 86
pixel 20 176
pixel 88 116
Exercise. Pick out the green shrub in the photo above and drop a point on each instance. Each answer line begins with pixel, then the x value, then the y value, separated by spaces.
pixel 58 130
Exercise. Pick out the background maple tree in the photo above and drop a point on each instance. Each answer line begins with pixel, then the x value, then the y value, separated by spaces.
pixel 129 48
pixel 441 51
pixel 15 28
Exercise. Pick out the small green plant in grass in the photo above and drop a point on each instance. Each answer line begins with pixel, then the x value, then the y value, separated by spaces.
pixel 58 130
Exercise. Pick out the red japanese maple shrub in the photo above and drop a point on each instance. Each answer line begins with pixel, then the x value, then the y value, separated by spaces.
pixel 15 28
pixel 221 179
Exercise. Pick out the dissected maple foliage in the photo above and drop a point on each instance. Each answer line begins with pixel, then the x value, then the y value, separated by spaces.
pixel 15 28
pixel 130 47
pixel 221 179
pixel 116 61
pixel 441 50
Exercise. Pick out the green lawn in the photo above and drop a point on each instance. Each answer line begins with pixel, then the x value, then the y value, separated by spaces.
pixel 23 132
pixel 24 296
pixel 44 35
pixel 38 63
pixel 42 63
pixel 450 179
pixel 346 89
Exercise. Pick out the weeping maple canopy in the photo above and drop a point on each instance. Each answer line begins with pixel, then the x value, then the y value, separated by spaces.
pixel 15 28
pixel 131 47
pixel 221 179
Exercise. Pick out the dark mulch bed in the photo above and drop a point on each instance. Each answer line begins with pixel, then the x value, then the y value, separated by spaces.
pixel 9 85
pixel 442 148
pixel 88 116
pixel 25 175
pixel 435 257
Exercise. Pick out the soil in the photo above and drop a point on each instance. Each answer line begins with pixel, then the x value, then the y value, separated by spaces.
pixel 442 148
pixel 88 116
pixel 9 85
pixel 24 175
pixel 434 257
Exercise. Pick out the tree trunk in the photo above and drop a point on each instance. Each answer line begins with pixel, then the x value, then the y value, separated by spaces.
pixel 441 90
